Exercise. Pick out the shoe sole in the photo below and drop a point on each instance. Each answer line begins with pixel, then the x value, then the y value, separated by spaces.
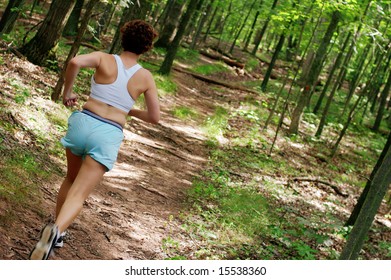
pixel 44 246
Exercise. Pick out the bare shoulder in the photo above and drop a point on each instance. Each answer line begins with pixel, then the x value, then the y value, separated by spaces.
pixel 145 74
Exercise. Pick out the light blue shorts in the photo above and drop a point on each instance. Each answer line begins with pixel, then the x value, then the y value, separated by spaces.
pixel 89 135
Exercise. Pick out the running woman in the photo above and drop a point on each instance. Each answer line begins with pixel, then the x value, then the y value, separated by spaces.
pixel 95 134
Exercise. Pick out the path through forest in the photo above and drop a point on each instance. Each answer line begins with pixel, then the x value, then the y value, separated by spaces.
pixel 135 210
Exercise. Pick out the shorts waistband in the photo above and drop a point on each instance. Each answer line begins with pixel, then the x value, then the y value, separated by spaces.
pixel 91 114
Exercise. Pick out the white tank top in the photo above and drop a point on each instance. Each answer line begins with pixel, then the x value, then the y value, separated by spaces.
pixel 116 94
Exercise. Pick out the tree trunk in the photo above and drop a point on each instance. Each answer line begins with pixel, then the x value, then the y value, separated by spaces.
pixel 355 80
pixel 258 40
pixel 165 68
pixel 194 21
pixel 170 25
pixel 38 49
pixel 211 22
pixel 382 106
pixel 242 26
pixel 331 74
pixel 251 31
pixel 378 187
pixel 35 3
pixel 314 73
pixel 72 25
pixel 10 15
pixel 164 15
pixel 272 62
pixel 201 25
pixel 223 23
pixel 357 208
pixel 104 20
pixel 74 49
pixel 333 91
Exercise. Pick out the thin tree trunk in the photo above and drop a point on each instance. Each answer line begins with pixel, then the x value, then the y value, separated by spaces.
pixel 355 80
pixel 357 208
pixel 170 25
pixel 211 22
pixel 377 190
pixel 201 25
pixel 272 62
pixel 72 25
pixel 222 26
pixel 251 31
pixel 331 74
pixel 273 110
pixel 287 99
pixel 314 73
pixel 333 91
pixel 242 26
pixel 10 15
pixel 165 68
pixel 353 110
pixel 382 106
pixel 258 40
pixel 74 49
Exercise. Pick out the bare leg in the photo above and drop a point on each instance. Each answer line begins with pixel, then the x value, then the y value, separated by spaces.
pixel 74 163
pixel 89 175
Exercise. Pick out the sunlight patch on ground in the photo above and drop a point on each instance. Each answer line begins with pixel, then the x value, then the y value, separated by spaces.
pixel 117 186
pixel 192 132
pixel 124 170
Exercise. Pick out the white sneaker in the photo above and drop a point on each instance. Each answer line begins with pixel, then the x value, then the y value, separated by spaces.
pixel 45 244
pixel 60 240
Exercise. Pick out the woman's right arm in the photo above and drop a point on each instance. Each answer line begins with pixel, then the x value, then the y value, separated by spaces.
pixel 91 60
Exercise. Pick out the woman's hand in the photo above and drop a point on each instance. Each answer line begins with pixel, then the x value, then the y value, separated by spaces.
pixel 70 101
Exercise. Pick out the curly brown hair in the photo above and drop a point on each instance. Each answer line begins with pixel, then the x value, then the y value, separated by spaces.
pixel 137 36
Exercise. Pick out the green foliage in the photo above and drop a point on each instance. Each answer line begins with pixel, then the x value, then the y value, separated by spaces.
pixel 22 96
pixel 252 64
pixel 209 69
pixel 386 246
pixel 21 93
pixel 165 85
pixel 187 55
pixel 18 175
pixel 216 124
pixel 184 113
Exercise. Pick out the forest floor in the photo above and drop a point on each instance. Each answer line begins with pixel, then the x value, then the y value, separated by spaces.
pixel 137 211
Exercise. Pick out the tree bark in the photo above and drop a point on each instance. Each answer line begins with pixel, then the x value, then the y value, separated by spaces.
pixel 377 190
pixel 242 26
pixel 314 73
pixel 201 25
pixel 39 48
pixel 170 25
pixel 74 49
pixel 72 25
pixel 382 106
pixel 357 208
pixel 322 122
pixel 259 37
pixel 331 74
pixel 10 15
pixel 165 68
pixel 272 62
